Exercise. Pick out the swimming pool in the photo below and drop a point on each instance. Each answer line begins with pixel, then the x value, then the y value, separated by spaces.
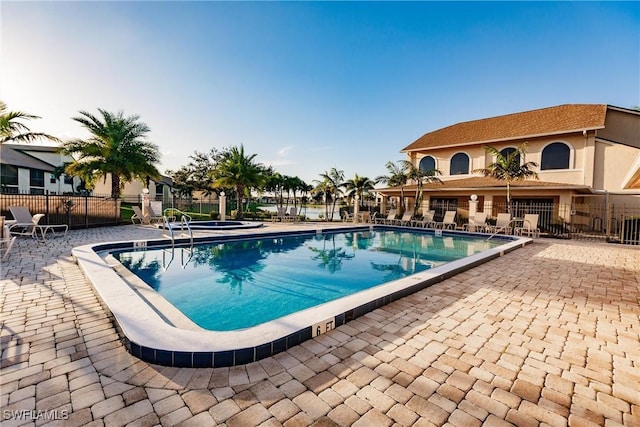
pixel 156 331
pixel 239 284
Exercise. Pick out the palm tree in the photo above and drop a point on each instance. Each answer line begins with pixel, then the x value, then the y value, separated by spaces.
pixel 238 170
pixel 396 178
pixel 117 146
pixel 12 130
pixel 420 177
pixel 509 168
pixel 358 186
pixel 333 182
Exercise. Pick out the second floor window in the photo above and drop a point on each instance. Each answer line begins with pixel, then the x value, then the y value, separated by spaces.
pixel 427 163
pixel 459 164
pixel 8 175
pixel 36 178
pixel 555 156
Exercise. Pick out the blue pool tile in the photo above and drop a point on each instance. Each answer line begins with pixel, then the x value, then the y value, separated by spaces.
pixel 293 339
pixel 183 359
pixel 148 354
pixel 279 345
pixel 164 357
pixel 243 356
pixel 203 359
pixel 263 351
pixel 222 359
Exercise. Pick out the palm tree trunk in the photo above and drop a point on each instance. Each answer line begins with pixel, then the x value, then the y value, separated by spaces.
pixel 508 199
pixel 115 186
pixel 240 193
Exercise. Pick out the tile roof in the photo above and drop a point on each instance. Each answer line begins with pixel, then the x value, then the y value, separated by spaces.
pixel 551 120
pixel 481 182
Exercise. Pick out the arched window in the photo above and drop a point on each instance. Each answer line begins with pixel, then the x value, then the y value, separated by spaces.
pixel 506 151
pixel 459 164
pixel 555 156
pixel 427 164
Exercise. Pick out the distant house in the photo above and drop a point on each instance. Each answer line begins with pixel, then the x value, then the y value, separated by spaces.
pixel 158 189
pixel 581 150
pixel 30 169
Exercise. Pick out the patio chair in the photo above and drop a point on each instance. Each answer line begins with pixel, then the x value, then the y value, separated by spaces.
pixel 391 216
pixel 6 239
pixel 503 224
pixel 293 214
pixel 449 221
pixel 280 215
pixel 29 225
pixel 407 216
pixel 529 226
pixel 139 217
pixel 477 223
pixel 427 220
pixel 153 216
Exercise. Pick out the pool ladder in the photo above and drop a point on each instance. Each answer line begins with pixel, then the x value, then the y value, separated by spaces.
pixel 184 225
pixel 168 226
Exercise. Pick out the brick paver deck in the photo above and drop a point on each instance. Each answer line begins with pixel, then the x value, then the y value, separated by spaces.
pixel 546 335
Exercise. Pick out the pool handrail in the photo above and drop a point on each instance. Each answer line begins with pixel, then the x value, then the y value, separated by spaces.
pixel 174 211
pixel 184 223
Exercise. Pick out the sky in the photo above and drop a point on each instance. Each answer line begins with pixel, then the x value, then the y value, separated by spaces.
pixel 308 86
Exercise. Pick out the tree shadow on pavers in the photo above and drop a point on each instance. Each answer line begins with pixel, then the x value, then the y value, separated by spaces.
pixel 34 285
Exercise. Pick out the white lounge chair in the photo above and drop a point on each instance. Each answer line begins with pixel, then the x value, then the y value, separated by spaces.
pixel 529 226
pixel 280 215
pixel 407 216
pixel 154 217
pixel 503 224
pixel 426 221
pixel 449 221
pixel 391 216
pixel 29 225
pixel 477 223
pixel 6 239
pixel 293 214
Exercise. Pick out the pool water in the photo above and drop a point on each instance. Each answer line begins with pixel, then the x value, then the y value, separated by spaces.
pixel 238 284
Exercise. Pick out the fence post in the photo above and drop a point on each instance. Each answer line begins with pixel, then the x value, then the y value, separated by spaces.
pixel 46 205
pixel 86 210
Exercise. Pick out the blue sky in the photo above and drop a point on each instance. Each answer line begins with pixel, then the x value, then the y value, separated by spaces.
pixel 308 86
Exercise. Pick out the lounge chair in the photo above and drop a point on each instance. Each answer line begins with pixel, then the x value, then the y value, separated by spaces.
pixel 529 226
pixel 153 216
pixel 426 221
pixel 6 239
pixel 293 214
pixel 280 215
pixel 407 216
pixel 138 216
pixel 478 223
pixel 391 216
pixel 29 225
pixel 449 221
pixel 503 224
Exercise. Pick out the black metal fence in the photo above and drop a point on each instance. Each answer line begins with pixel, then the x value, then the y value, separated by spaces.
pixel 591 220
pixel 75 211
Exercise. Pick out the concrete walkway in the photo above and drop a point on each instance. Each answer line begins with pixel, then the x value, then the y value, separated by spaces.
pixel 546 335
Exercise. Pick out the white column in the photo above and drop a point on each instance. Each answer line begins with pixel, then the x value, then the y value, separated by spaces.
pixel 222 206
pixel 356 208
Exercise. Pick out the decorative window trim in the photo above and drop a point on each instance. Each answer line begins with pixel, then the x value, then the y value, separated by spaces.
pixel 469 163
pixel 572 156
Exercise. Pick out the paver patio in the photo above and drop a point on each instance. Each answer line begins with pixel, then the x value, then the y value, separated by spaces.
pixel 546 335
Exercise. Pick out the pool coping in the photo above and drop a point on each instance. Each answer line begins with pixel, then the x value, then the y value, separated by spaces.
pixel 149 337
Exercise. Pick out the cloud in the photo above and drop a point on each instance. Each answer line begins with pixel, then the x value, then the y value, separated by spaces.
pixel 284 150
